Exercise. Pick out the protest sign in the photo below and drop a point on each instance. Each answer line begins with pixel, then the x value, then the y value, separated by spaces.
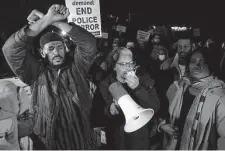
pixel 104 35
pixel 85 13
pixel 120 28
pixel 196 32
pixel 142 37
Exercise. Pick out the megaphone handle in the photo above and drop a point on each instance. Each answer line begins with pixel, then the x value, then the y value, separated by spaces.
pixel 116 102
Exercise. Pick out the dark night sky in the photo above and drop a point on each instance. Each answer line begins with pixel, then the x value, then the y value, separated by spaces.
pixel 14 12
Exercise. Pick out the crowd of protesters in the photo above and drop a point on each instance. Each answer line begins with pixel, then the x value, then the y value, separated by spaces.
pixel 180 78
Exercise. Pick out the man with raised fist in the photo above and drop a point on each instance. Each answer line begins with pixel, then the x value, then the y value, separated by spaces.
pixel 61 100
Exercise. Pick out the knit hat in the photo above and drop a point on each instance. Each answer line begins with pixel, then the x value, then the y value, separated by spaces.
pixel 9 104
pixel 48 37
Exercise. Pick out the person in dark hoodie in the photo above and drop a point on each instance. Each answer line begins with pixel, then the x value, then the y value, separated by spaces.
pixel 141 88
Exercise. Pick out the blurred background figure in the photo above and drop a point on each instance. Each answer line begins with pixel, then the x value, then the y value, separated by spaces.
pixel 9 109
pixel 14 103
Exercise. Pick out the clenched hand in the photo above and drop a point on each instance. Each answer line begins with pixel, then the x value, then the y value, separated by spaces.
pixel 34 16
pixel 57 13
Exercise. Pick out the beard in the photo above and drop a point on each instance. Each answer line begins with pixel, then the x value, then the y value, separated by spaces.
pixel 50 62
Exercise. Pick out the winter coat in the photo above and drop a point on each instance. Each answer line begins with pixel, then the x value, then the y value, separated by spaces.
pixel 210 132
pixel 61 100
pixel 144 95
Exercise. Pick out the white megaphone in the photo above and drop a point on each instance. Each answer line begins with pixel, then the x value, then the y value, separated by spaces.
pixel 135 116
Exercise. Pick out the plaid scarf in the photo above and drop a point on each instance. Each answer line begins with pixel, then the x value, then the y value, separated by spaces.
pixel 193 117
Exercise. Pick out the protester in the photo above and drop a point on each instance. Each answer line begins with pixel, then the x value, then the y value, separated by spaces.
pixel 155 39
pixel 61 101
pixel 9 109
pixel 141 88
pixel 184 50
pixel 196 108
pixel 132 45
pixel 222 63
pixel 159 52
pixel 71 105
pixel 107 63
pixel 213 51
pixel 163 78
pixel 14 104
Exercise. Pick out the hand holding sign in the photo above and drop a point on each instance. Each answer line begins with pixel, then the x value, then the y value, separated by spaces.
pixel 57 13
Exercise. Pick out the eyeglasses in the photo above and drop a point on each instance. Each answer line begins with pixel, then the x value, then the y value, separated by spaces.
pixel 131 64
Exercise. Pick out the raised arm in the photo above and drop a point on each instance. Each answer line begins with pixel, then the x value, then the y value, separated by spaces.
pixel 17 51
pixel 17 48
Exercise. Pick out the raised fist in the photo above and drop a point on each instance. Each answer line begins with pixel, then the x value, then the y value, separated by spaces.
pixel 57 13
pixel 34 16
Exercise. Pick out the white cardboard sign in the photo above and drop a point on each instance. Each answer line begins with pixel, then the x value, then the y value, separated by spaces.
pixel 85 13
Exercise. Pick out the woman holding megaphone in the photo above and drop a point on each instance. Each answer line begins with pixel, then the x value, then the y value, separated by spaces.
pixel 135 88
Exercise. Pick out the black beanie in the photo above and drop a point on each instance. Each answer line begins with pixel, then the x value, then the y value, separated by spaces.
pixel 48 37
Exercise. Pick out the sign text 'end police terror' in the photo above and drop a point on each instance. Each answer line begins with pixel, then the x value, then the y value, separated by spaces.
pixel 91 23
pixel 85 13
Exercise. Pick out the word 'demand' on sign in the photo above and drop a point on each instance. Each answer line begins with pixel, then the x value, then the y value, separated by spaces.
pixel 82 3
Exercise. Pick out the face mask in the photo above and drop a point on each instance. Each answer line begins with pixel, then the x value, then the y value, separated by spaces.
pixel 162 57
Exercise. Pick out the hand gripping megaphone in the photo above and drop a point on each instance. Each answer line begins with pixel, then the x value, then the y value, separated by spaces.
pixel 135 116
